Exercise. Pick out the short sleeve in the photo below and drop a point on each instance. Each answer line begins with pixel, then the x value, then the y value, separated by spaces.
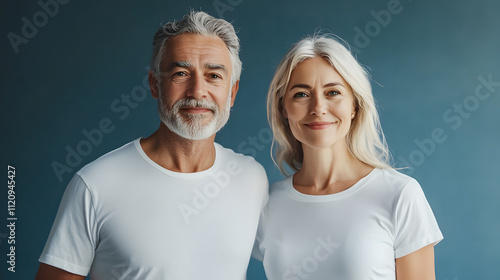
pixel 257 252
pixel 72 239
pixel 415 224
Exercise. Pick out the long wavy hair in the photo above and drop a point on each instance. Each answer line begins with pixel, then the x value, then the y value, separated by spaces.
pixel 365 139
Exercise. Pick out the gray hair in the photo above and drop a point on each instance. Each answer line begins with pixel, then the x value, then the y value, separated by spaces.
pixel 365 139
pixel 203 24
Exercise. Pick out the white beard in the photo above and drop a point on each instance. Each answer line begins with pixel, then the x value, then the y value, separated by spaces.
pixel 194 128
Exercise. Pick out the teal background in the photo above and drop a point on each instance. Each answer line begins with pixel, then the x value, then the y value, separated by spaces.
pixel 424 61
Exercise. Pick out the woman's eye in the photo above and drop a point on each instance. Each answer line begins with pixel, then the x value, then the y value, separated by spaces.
pixel 333 93
pixel 300 94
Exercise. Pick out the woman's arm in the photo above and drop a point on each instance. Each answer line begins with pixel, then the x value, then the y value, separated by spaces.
pixel 418 265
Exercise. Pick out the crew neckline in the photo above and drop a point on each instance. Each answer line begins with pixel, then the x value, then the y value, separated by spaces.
pixel 295 194
pixel 181 175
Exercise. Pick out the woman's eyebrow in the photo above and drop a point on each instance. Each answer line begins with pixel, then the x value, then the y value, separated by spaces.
pixel 301 86
pixel 333 84
pixel 309 87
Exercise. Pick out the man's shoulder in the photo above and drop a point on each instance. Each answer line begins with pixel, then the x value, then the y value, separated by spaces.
pixel 114 159
pixel 228 154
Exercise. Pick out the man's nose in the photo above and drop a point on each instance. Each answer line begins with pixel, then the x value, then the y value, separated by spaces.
pixel 197 87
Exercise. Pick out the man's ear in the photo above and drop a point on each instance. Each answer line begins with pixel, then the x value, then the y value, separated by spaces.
pixel 153 84
pixel 234 90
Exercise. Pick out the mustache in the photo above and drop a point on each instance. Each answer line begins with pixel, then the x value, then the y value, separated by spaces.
pixel 195 103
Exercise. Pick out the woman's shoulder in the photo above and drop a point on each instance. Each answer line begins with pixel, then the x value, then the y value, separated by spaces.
pixel 394 180
pixel 392 186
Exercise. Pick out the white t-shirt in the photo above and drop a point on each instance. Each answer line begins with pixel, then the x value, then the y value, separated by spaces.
pixel 351 235
pixel 125 217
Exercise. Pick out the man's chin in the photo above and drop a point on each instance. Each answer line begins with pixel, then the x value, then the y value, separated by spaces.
pixel 194 136
pixel 190 131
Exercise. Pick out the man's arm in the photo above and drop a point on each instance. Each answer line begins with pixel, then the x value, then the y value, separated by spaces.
pixel 48 272
pixel 418 265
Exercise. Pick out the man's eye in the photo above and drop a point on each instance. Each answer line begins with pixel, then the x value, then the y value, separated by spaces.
pixel 180 74
pixel 215 76
pixel 300 94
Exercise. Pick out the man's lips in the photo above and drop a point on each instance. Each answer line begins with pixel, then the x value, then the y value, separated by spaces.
pixel 196 110
pixel 319 125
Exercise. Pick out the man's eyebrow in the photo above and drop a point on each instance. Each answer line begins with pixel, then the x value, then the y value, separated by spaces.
pixel 309 87
pixel 184 64
pixel 215 66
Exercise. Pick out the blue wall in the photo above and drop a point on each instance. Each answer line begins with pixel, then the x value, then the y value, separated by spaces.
pixel 429 64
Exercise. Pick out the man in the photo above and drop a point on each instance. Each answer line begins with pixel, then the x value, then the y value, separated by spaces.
pixel 174 205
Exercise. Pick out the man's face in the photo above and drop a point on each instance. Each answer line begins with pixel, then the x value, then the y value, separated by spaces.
pixel 194 87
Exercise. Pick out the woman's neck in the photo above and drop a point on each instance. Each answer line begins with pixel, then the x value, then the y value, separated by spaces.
pixel 329 170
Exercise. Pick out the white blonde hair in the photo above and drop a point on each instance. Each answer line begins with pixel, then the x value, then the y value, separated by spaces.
pixel 365 139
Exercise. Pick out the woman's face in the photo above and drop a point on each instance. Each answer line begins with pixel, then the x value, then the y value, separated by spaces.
pixel 319 104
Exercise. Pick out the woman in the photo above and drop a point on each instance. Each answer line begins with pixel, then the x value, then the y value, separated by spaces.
pixel 345 213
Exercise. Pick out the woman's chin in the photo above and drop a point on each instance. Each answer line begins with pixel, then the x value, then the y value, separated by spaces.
pixel 320 144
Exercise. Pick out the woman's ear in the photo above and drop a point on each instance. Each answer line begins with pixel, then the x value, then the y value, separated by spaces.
pixel 285 115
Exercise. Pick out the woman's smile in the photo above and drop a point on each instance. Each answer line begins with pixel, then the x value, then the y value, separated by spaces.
pixel 320 125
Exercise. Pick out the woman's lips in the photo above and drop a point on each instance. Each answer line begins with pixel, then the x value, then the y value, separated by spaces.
pixel 319 125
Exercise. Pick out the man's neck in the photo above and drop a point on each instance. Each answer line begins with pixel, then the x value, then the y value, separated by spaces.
pixel 178 154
